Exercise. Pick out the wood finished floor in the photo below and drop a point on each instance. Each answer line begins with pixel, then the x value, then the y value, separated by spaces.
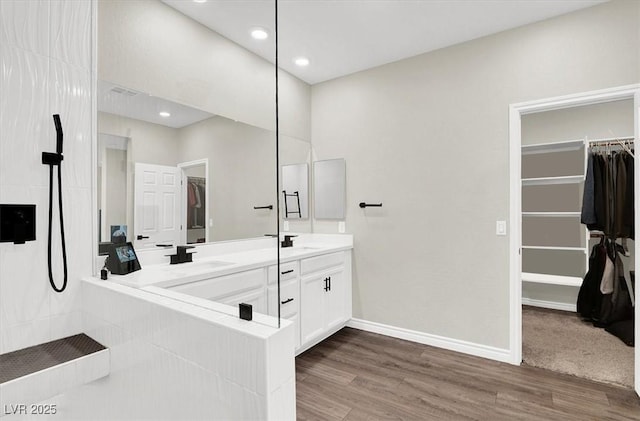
pixel 356 375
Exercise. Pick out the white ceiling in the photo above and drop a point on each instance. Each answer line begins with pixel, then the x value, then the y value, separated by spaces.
pixel 346 36
pixel 141 106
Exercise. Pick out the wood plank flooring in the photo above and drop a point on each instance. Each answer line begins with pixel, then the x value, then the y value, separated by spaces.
pixel 356 375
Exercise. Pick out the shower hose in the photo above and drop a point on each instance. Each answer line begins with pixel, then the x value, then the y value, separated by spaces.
pixel 52 160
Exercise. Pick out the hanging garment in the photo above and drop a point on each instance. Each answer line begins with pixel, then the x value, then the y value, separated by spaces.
pixel 629 209
pixel 606 283
pixel 196 190
pixel 191 195
pixel 621 230
pixel 200 220
pixel 617 305
pixel 588 215
pixel 589 296
pixel 598 195
pixel 608 194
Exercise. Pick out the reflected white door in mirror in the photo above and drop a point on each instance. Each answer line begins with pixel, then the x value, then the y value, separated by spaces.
pixel 156 212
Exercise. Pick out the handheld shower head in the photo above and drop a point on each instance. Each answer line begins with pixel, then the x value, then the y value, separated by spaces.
pixel 59 134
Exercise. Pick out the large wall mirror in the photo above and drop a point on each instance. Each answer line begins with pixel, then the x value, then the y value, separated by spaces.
pixel 186 154
pixel 329 187
pixel 186 126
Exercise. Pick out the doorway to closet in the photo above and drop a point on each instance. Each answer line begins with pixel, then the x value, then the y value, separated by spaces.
pixel 195 201
pixel 551 141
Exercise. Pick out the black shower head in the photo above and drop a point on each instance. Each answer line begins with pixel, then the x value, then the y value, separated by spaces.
pixel 58 124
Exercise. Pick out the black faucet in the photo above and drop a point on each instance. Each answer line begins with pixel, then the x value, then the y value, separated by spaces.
pixel 287 242
pixel 181 255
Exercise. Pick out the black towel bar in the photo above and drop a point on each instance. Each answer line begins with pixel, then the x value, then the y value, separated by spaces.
pixel 263 207
pixel 366 205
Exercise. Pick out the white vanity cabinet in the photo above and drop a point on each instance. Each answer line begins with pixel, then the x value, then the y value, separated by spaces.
pixel 242 287
pixel 315 293
pixel 325 296
pixel 289 294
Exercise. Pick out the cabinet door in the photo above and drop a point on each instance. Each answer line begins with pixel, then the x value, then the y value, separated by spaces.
pixel 335 304
pixel 312 318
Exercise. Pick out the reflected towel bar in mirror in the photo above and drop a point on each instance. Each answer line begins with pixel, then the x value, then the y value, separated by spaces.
pixel 367 205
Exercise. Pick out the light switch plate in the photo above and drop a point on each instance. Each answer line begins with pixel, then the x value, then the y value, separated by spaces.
pixel 501 227
pixel 285 225
pixel 341 227
pixel 210 222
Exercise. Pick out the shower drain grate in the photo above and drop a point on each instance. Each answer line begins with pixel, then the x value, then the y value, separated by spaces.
pixel 30 360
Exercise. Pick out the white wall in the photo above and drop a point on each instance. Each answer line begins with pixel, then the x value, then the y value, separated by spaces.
pixel 428 137
pixel 150 143
pixel 45 49
pixel 192 65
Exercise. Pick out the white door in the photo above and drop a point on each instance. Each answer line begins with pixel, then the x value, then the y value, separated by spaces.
pixel 156 215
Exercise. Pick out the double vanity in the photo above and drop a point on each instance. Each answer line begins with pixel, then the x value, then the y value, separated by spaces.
pixel 315 281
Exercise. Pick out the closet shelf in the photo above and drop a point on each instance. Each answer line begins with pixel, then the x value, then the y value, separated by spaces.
pixel 582 249
pixel 542 278
pixel 568 145
pixel 552 214
pixel 568 179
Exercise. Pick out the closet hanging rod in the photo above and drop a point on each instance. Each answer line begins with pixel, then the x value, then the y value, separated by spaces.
pixel 611 139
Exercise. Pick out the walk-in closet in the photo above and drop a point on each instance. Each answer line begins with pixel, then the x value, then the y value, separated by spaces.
pixel 196 192
pixel 566 231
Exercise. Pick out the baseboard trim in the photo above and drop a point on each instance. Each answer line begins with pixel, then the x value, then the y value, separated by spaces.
pixel 478 350
pixel 554 305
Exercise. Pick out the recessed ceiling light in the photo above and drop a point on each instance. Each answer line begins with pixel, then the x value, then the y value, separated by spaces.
pixel 199 1
pixel 259 33
pixel 301 61
pixel 164 114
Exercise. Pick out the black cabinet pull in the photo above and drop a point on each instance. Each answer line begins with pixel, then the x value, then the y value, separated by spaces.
pixel 286 271
pixel 263 207
pixel 329 283
pixel 141 237
pixel 288 300
pixel 326 284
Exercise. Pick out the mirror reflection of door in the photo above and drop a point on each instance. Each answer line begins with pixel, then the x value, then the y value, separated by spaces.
pixel 156 210
pixel 195 201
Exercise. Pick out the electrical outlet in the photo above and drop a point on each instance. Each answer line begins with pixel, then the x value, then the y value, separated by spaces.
pixel 341 227
pixel 285 226
pixel 501 227
pixel 210 222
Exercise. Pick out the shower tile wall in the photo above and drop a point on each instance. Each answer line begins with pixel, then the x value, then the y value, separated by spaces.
pixel 45 53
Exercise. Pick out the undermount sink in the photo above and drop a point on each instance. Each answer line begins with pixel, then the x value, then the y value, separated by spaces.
pixel 210 264
pixel 184 269
pixel 298 249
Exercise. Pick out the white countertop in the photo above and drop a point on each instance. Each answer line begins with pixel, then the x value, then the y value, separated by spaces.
pixel 212 260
